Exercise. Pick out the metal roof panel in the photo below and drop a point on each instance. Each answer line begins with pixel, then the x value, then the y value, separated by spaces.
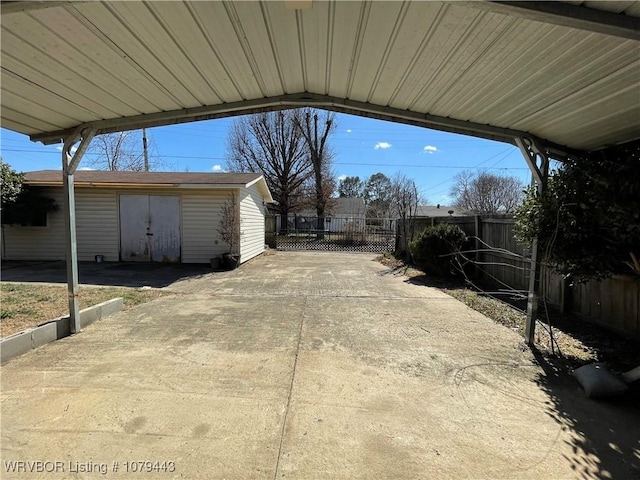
pixel 514 66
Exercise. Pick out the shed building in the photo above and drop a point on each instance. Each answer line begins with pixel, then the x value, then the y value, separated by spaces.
pixel 144 216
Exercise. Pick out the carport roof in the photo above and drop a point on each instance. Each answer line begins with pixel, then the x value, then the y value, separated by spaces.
pixel 83 178
pixel 567 73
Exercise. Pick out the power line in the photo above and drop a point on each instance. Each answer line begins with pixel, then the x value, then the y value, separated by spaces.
pixel 200 157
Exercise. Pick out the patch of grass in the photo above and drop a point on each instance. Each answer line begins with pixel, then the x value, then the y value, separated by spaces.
pixel 490 307
pixel 31 304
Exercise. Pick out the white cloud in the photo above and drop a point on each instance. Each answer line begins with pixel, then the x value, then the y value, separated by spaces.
pixel 348 130
pixel 216 168
pixel 430 149
pixel 383 145
pixel 86 168
pixel 73 149
pixel 342 177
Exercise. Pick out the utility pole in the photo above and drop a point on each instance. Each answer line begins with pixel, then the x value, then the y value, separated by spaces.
pixel 144 148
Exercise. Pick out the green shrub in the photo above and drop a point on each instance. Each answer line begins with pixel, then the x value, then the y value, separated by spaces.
pixel 587 222
pixel 433 247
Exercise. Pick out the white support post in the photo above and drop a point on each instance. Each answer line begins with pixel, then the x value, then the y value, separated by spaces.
pixel 532 154
pixel 69 164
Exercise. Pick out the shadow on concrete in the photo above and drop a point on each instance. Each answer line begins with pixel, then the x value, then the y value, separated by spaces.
pixel 604 435
pixel 154 275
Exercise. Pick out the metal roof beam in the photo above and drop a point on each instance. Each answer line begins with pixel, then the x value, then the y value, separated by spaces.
pixel 567 15
pixel 379 112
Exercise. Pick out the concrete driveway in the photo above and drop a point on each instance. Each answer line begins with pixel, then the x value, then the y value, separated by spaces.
pixel 304 366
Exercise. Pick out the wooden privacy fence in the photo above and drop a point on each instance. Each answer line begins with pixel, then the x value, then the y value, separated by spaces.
pixel 503 263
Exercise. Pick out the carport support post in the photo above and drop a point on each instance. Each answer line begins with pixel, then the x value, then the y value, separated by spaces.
pixel 70 163
pixel 533 154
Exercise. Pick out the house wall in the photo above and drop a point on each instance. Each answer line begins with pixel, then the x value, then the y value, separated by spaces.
pixel 37 243
pixel 98 229
pixel 200 222
pixel 252 236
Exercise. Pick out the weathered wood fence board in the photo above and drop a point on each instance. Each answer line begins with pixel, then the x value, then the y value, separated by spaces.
pixel 613 302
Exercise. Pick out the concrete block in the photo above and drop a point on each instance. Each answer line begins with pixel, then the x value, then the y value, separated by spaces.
pixel 89 315
pixel 63 327
pixel 44 334
pixel 55 329
pixel 15 345
pixel 100 311
pixel 111 307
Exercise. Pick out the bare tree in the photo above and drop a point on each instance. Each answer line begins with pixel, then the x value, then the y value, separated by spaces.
pixel 315 129
pixel 122 151
pixel 404 203
pixel 309 201
pixel 229 227
pixel 485 193
pixel 272 144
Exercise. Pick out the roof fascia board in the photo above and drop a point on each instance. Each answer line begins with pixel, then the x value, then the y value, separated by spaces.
pixel 567 15
pixel 327 102
pixel 261 184
pixel 208 186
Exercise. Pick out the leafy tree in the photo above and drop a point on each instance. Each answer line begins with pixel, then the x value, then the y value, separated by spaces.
pixel 351 187
pixel 588 220
pixel 377 195
pixel 11 183
pixel 22 205
pixel 122 151
pixel 485 193
pixel 272 144
pixel 315 132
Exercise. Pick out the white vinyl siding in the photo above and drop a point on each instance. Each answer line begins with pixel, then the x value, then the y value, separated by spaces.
pixel 37 243
pixel 97 225
pixel 200 223
pixel 251 223
pixel 98 229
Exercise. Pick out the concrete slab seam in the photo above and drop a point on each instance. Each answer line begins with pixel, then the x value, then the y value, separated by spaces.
pixel 293 378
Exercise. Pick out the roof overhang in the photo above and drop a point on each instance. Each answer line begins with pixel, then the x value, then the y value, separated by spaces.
pixel 565 74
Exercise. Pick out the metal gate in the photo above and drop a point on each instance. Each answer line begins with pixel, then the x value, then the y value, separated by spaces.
pixel 347 234
pixel 150 228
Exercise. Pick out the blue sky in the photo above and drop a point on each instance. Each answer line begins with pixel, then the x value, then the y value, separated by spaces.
pixel 363 147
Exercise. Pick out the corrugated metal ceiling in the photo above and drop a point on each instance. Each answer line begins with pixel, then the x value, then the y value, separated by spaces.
pixel 122 63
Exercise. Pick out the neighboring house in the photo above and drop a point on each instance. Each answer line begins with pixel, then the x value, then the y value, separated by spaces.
pixel 143 216
pixel 348 213
pixel 344 214
pixel 436 211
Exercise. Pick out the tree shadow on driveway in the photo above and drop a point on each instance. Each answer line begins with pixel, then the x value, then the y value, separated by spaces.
pixel 604 435
pixel 156 275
